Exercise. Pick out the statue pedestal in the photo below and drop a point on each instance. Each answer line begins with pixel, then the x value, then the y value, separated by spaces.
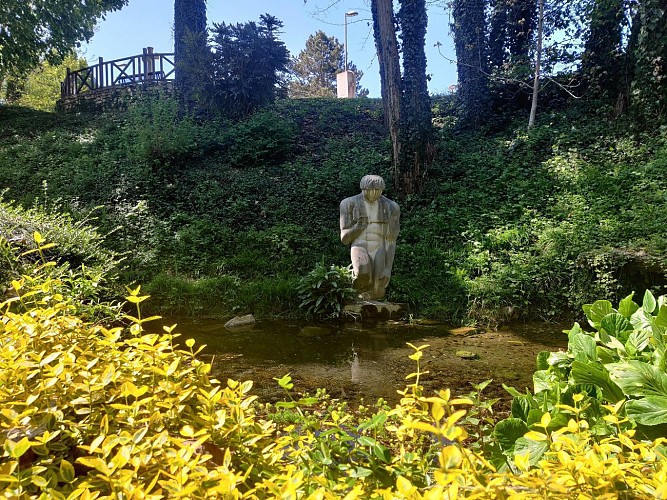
pixel 373 309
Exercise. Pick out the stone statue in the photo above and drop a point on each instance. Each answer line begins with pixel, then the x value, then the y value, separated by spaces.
pixel 369 222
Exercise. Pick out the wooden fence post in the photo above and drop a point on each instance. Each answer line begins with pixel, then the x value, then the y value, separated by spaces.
pixel 100 73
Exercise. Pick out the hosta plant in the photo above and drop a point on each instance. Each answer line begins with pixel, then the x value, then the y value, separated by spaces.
pixel 620 362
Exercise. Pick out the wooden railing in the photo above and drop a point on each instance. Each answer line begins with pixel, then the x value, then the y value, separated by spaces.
pixel 142 68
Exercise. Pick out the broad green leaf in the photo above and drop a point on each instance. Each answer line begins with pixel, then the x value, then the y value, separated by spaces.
pixel 508 431
pixel 521 407
pixel 637 342
pixel 641 320
pixel 615 325
pixel 542 381
pixel 581 343
pixel 559 359
pixel 535 448
pixel 543 360
pixel 596 311
pixel 649 302
pixel 593 373
pixel 661 318
pixel 651 410
pixel 382 453
pixel 67 472
pixel 627 307
pixel 366 441
pixel 637 378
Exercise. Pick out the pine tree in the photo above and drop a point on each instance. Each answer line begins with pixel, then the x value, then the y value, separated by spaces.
pixel 314 69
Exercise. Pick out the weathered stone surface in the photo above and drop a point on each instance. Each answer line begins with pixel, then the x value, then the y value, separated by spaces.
pixel 369 223
pixel 373 309
pixel 239 321
pixel 467 355
pixel 465 331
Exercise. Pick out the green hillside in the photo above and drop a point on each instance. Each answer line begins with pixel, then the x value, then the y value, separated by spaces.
pixel 217 217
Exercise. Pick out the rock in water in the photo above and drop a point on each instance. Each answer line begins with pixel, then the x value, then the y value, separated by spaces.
pixel 238 321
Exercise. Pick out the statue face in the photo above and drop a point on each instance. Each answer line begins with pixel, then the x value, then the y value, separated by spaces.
pixel 372 195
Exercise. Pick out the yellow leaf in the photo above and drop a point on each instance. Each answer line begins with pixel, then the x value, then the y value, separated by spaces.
pixel 545 420
pixel 403 485
pixel 536 436
pixel 450 457
pixel 522 461
pixel 437 411
pixel 187 431
pixel 37 237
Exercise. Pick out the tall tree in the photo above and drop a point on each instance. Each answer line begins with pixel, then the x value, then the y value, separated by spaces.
pixel 249 63
pixel 190 47
pixel 650 80
pixel 386 46
pixel 601 61
pixel 416 125
pixel 521 16
pixel 36 30
pixel 314 69
pixel 469 30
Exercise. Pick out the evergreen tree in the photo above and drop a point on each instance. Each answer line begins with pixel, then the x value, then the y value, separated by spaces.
pixel 190 47
pixel 650 81
pixel 314 70
pixel 248 65
pixel 601 61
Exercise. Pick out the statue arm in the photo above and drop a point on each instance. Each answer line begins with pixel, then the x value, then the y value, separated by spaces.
pixel 349 230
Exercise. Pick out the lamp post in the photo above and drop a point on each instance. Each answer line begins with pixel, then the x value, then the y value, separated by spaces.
pixel 350 13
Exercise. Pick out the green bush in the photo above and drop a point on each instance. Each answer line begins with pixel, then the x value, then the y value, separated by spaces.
pixel 324 291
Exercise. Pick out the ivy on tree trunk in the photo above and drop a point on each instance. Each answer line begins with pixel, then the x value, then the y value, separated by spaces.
pixel 416 127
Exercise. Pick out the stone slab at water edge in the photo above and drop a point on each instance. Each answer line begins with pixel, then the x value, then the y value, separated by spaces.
pixel 373 309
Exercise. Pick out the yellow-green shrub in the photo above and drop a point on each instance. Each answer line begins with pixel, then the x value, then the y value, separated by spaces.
pixel 94 412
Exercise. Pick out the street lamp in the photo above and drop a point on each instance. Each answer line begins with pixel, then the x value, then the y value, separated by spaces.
pixel 350 13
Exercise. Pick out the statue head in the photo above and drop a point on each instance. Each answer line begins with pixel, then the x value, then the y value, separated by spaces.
pixel 372 187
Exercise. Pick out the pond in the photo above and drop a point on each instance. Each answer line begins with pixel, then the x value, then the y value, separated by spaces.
pixel 358 361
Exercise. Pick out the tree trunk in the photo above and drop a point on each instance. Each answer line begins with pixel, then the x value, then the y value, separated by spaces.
pixel 416 127
pixel 497 33
pixel 600 63
pixel 471 50
pixel 538 60
pixel 189 46
pixel 390 74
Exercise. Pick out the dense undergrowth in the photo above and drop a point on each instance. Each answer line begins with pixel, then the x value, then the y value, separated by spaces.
pixel 217 217
pixel 95 412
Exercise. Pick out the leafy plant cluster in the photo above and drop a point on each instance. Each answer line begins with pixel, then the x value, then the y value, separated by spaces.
pixel 75 257
pixel 324 291
pixel 90 411
pixel 613 378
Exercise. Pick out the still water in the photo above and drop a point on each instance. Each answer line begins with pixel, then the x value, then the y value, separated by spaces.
pixel 366 360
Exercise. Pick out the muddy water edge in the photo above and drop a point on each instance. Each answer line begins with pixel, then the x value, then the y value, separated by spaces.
pixel 367 361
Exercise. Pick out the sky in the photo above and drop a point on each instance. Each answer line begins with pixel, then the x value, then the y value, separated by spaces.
pixel 149 23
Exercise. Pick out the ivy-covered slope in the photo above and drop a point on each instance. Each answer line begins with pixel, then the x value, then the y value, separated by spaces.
pixel 217 217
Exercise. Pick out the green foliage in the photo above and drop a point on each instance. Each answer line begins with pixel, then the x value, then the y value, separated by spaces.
pixel 40 89
pixel 621 363
pixel 75 246
pixel 324 291
pixel 45 29
pixel 649 86
pixel 92 411
pixel 314 70
pixel 247 63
